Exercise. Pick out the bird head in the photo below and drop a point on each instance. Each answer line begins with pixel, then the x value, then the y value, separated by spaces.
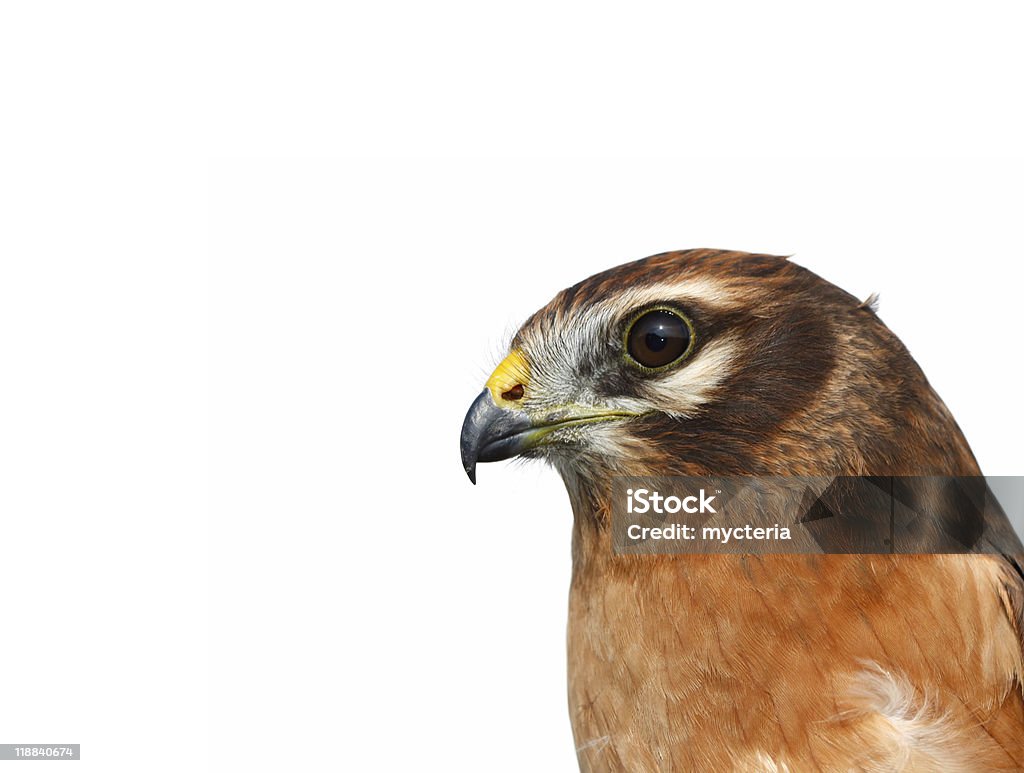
pixel 709 362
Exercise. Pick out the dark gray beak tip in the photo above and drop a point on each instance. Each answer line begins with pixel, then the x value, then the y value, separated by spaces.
pixel 491 434
pixel 474 432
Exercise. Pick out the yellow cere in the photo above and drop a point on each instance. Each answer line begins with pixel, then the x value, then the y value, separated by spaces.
pixel 514 369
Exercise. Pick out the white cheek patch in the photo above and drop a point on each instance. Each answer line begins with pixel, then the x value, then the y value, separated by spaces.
pixel 611 444
pixel 682 392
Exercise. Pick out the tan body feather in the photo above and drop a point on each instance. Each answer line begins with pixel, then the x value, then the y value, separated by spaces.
pixel 720 662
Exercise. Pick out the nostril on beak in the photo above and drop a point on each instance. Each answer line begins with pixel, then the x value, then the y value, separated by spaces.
pixel 515 393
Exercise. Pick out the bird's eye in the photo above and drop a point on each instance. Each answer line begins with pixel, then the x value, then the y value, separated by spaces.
pixel 658 338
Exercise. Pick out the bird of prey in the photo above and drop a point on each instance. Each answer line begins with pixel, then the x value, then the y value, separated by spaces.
pixel 707 362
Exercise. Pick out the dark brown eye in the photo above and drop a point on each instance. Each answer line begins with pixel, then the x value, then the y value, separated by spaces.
pixel 658 338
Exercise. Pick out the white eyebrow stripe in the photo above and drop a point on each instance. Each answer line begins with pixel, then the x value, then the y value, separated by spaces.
pixel 708 292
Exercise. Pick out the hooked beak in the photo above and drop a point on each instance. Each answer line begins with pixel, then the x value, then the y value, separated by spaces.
pixel 497 427
pixel 490 434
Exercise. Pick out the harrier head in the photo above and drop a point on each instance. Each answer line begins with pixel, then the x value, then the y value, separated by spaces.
pixel 711 362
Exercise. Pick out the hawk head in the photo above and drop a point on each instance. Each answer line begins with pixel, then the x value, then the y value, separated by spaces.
pixel 709 362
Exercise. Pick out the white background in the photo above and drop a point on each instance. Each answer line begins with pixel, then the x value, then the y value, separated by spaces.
pixel 258 259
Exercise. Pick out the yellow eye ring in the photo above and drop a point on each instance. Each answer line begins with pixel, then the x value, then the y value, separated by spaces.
pixel 658 338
